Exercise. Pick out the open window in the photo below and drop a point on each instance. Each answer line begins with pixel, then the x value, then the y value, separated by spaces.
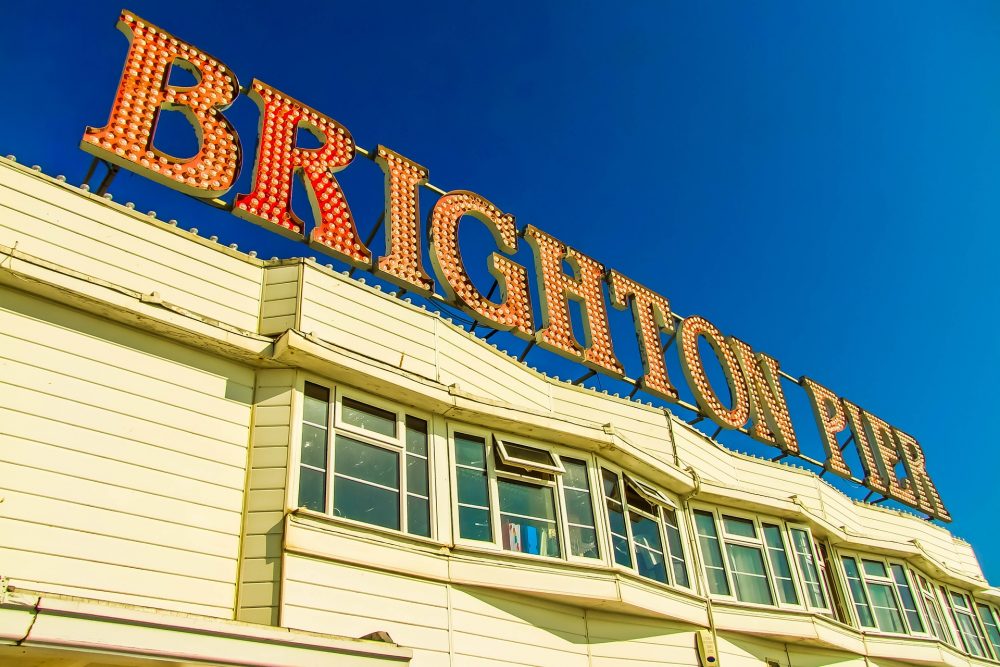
pixel 527 458
pixel 645 533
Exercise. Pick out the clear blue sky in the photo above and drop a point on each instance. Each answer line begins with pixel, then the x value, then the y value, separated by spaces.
pixel 818 179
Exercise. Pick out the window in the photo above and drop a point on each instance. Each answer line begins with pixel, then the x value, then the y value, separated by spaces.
pixel 805 557
pixel 507 496
pixel 711 553
pixel 365 447
pixel 932 610
pixel 876 599
pixel 745 556
pixel 778 556
pixel 858 594
pixel 833 591
pixel 579 509
pixel 749 558
pixel 965 621
pixel 988 616
pixel 472 479
pixel 644 529
pixel 906 598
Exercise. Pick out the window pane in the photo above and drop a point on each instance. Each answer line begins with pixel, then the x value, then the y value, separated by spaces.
pixel 578 508
pixel 526 499
pixel 620 546
pixel 418 516
pixel 312 489
pixel 874 569
pixel 583 542
pixel 416 435
pixel 779 564
pixel 472 489
pixel 314 446
pixel 858 593
pixel 364 502
pixel 368 417
pixel 474 524
pixel 708 540
pixel 906 597
pixel 368 462
pixel 807 565
pixel 677 564
pixel 470 451
pixel 886 610
pixel 648 548
pixel 416 475
pixel 749 575
pixel 530 536
pixel 315 404
pixel 741 527
pixel 576 474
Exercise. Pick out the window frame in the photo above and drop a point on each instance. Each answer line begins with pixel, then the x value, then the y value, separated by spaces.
pixel 662 501
pixel 784 528
pixel 890 581
pixel 818 563
pixel 928 590
pixel 973 613
pixel 995 616
pixel 335 427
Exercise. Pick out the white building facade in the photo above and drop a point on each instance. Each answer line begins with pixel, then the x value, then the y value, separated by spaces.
pixel 206 458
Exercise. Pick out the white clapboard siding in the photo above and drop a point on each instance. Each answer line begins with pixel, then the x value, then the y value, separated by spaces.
pixel 279 302
pixel 484 622
pixel 351 601
pixel 638 642
pixel 358 319
pixel 260 572
pixel 711 462
pixel 480 370
pixel 96 237
pixel 122 461
pixel 637 422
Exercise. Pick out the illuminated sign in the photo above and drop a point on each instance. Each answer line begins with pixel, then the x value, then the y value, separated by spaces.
pixel 752 400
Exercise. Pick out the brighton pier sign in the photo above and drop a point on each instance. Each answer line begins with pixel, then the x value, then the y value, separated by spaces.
pixel 893 463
